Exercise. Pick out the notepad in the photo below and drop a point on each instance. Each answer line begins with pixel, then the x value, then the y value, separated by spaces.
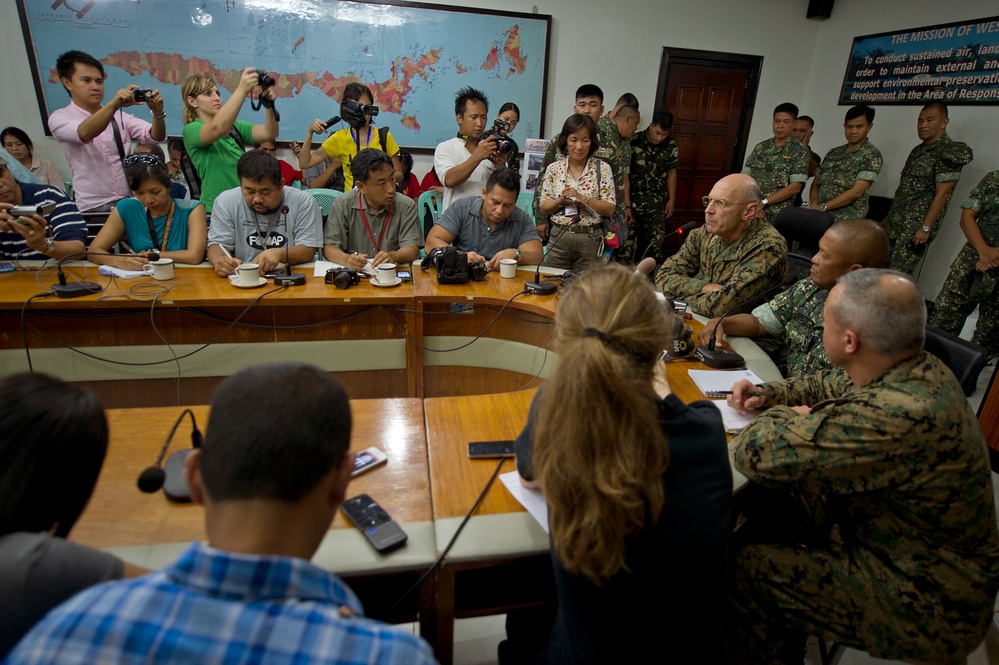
pixel 721 379
pixel 122 273
pixel 532 500
pixel 733 420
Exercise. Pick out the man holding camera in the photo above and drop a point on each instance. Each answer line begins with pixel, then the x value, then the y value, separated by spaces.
pixel 464 163
pixel 489 228
pixel 94 136
pixel 372 221
pixel 60 232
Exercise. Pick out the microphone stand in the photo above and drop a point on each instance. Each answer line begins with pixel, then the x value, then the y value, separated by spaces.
pixel 76 289
pixel 289 278
pixel 537 287
pixel 720 358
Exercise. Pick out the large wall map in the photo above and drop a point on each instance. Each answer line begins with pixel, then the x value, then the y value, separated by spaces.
pixel 414 57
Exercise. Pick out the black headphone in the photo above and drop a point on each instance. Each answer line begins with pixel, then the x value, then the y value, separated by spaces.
pixel 171 475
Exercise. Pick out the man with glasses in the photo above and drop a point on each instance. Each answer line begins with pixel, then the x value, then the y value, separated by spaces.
pixel 97 136
pixel 732 261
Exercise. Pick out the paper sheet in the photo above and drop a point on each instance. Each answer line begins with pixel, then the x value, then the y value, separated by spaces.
pixel 322 266
pixel 124 274
pixel 720 379
pixel 533 501
pixel 732 419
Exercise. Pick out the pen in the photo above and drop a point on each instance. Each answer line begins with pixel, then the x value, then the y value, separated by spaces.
pixel 722 393
pixel 225 251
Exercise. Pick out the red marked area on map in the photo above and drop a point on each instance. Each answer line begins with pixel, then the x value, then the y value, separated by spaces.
pixel 410 122
pixel 173 69
pixel 511 50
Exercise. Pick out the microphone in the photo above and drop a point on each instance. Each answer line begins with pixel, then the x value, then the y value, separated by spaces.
pixel 719 358
pixel 65 290
pixel 537 287
pixel 332 121
pixel 171 476
pixel 289 278
pixel 689 226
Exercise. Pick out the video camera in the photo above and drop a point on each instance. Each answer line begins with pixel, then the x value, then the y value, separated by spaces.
pixel 453 266
pixel 354 111
pixel 342 278
pixel 503 144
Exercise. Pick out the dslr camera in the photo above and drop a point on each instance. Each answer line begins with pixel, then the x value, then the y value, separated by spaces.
pixel 354 111
pixel 503 145
pixel 142 94
pixel 264 80
pixel 453 266
pixel 342 278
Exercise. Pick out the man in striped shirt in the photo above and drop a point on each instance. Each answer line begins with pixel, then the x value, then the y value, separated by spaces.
pixel 38 237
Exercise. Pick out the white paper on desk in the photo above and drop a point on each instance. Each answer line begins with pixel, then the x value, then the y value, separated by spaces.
pixel 532 500
pixel 721 379
pixel 122 273
pixel 732 419
pixel 323 266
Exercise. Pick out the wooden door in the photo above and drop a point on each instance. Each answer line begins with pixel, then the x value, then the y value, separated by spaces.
pixel 711 96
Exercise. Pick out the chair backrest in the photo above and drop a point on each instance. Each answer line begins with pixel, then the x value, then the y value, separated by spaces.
pixel 324 198
pixel 804 226
pixel 963 358
pixel 428 207
pixel 525 200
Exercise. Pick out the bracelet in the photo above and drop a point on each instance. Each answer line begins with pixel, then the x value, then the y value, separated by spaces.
pixel 160 116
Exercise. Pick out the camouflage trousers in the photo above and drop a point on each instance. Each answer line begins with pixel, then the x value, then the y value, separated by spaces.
pixel 782 593
pixel 963 290
pixel 648 234
pixel 905 255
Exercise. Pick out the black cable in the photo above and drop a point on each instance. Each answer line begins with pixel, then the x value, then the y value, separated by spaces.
pixel 24 332
pixel 271 326
pixel 450 543
pixel 544 360
pixel 152 322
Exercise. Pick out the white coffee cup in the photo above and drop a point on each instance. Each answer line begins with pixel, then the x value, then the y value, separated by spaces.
pixel 508 268
pixel 249 274
pixel 162 268
pixel 386 273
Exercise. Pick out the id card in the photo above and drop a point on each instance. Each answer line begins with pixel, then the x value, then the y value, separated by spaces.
pixel 571 211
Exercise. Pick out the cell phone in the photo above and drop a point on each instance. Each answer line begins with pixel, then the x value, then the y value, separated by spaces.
pixel 6 267
pixel 28 211
pixel 372 521
pixel 404 275
pixel 368 459
pixel 484 449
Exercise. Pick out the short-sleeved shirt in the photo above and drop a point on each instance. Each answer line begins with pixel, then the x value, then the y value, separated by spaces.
pixel 775 168
pixel 216 163
pixel 47 172
pixel 795 318
pixel 65 222
pixel 841 169
pixel 133 215
pixel 596 182
pixel 98 177
pixel 926 166
pixel 387 230
pixel 471 232
pixel 342 145
pixel 244 232
pixel 650 166
pixel 984 199
pixel 451 153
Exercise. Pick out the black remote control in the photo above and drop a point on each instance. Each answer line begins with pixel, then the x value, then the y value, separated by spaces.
pixel 376 525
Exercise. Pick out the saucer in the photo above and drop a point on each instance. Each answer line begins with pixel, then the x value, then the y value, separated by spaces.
pixel 374 282
pixel 260 282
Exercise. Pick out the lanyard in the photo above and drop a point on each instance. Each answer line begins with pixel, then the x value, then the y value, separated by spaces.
pixel 357 139
pixel 166 229
pixel 270 227
pixel 388 216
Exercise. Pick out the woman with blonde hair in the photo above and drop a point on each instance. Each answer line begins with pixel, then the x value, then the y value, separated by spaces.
pixel 638 485
pixel 214 138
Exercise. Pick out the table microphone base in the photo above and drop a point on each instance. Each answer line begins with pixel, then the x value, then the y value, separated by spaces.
pixel 540 288
pixel 175 485
pixel 289 279
pixel 719 358
pixel 76 289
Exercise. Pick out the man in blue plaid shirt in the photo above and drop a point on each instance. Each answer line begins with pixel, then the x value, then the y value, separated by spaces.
pixel 271 477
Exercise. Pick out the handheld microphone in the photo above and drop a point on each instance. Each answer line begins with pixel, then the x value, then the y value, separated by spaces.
pixel 332 121
pixel 719 358
pixel 171 476
pixel 289 278
pixel 65 290
pixel 537 287
pixel 689 226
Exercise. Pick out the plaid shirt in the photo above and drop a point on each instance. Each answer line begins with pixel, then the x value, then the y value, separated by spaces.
pixel 213 606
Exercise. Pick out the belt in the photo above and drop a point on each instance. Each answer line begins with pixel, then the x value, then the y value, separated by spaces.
pixel 588 229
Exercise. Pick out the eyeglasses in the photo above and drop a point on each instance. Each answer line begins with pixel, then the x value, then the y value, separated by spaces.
pixel 141 158
pixel 720 204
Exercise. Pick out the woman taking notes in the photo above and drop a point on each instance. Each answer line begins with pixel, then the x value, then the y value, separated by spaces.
pixel 577 192
pixel 638 485
pixel 152 220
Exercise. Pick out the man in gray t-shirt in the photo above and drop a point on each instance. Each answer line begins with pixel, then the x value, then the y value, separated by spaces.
pixel 249 223
pixel 491 227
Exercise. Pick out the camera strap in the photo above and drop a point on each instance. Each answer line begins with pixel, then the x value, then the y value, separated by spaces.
pixel 117 138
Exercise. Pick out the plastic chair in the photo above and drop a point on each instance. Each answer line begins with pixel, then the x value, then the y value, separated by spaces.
pixel 325 198
pixel 964 358
pixel 525 201
pixel 805 226
pixel 430 200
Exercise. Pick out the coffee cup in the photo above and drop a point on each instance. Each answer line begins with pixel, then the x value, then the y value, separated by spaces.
pixel 386 273
pixel 508 268
pixel 161 268
pixel 248 274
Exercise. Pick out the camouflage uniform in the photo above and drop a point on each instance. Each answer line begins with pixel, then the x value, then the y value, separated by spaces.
pixel 650 167
pixel 965 286
pixel 775 168
pixel 746 268
pixel 840 169
pixel 927 165
pixel 794 318
pixel 895 477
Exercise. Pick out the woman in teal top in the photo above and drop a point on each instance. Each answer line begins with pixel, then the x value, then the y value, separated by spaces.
pixel 152 221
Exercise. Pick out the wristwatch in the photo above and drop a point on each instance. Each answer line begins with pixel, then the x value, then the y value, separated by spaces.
pixel 823 207
pixel 519 254
pixel 925 229
pixel 49 245
pixel 765 202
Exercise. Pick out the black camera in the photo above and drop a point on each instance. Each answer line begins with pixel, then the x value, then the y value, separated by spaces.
pixel 264 80
pixel 354 111
pixel 453 266
pixel 142 94
pixel 342 278
pixel 503 145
